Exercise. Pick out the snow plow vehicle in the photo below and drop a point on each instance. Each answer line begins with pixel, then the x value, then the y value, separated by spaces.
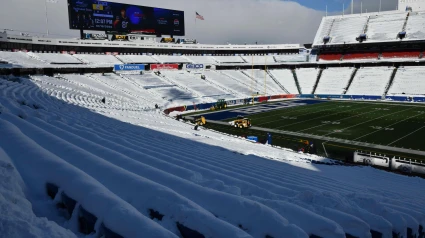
pixel 200 120
pixel 221 104
pixel 241 123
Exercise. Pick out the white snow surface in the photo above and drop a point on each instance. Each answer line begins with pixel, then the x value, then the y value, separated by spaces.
pixel 408 81
pixel 121 158
pixel 370 81
pixel 136 59
pixel 334 80
pixel 307 78
pixel 415 26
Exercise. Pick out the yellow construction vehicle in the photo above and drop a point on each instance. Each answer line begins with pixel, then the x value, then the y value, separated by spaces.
pixel 241 123
pixel 200 120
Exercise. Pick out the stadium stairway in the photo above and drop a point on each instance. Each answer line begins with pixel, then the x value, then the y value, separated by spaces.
pixel 277 81
pixel 294 73
pixel 319 75
pixel 390 82
pixel 351 79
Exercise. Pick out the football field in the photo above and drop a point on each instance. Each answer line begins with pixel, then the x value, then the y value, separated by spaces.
pixel 396 125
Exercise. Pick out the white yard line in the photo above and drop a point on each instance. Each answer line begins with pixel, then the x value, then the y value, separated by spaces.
pixel 283 113
pixel 406 135
pixel 388 125
pixel 338 120
pixel 320 117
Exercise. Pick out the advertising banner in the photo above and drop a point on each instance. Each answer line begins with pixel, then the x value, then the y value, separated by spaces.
pixel 194 66
pixel 164 66
pixel 119 17
pixel 128 67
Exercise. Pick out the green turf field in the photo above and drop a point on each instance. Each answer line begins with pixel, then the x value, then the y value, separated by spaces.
pixel 389 124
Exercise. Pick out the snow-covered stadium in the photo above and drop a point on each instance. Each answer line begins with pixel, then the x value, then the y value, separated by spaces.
pixel 90 146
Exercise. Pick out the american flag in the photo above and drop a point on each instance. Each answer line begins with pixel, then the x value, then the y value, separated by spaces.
pixel 199 17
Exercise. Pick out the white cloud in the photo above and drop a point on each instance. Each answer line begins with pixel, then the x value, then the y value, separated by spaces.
pixel 235 21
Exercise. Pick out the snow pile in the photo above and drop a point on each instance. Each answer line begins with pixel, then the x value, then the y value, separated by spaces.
pixel 21 60
pixel 139 173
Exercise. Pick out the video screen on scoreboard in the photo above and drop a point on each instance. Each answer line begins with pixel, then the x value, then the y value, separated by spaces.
pixel 110 16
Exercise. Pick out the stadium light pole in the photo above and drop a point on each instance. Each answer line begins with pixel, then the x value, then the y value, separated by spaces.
pixel 380 2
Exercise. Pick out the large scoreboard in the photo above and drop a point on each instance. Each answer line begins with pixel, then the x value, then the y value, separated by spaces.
pixel 111 16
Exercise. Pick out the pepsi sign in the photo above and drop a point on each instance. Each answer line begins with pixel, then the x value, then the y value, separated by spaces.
pixel 194 66
pixel 128 67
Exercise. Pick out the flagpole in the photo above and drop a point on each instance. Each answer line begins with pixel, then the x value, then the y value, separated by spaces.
pixel 47 18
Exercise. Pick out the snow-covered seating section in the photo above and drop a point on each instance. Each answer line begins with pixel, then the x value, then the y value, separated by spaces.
pixel 346 29
pixel 334 81
pixel 307 78
pixel 385 27
pixel 98 60
pixel 148 80
pixel 408 81
pixel 229 59
pixel 55 58
pixel 291 58
pixel 259 60
pixel 141 174
pixel 195 84
pixel 136 59
pixel 170 59
pixel 324 29
pixel 370 81
pixel 285 78
pixel 263 79
pixel 207 60
pixel 221 79
pixel 245 78
pixel 415 27
pixel 21 60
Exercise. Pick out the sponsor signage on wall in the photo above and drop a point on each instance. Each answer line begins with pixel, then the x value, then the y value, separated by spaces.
pixel 194 66
pixel 128 67
pixel 164 66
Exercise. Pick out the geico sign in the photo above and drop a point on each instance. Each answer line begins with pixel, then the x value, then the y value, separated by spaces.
pixel 194 66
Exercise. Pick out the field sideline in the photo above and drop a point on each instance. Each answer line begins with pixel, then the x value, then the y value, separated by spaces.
pixel 400 125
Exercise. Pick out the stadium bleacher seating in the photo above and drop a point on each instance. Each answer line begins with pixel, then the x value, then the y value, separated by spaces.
pixel 20 59
pixel 408 81
pixel 291 58
pixel 330 57
pixel 229 59
pixel 54 58
pixel 370 81
pixel 228 82
pixel 286 79
pixel 307 78
pixel 324 30
pixel 334 81
pixel 136 59
pixel 385 27
pixel 402 54
pixel 100 60
pixel 346 29
pixel 207 60
pixel 170 59
pixel 415 26
pixel 194 83
pixel 259 60
pixel 361 56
